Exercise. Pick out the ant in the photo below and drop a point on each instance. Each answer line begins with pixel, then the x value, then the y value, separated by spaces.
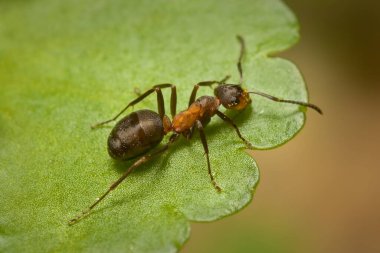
pixel 142 130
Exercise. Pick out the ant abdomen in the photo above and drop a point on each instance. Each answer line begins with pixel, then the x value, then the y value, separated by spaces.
pixel 135 134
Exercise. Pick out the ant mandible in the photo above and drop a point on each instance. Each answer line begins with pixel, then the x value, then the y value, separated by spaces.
pixel 142 130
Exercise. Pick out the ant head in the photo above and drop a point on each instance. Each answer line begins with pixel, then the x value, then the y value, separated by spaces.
pixel 232 96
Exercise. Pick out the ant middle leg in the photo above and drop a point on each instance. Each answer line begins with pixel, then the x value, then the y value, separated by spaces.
pixel 156 88
pixel 205 147
pixel 228 120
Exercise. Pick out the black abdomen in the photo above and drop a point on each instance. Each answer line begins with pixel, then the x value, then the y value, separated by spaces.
pixel 135 134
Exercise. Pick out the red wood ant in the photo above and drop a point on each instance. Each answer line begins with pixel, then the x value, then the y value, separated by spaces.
pixel 142 130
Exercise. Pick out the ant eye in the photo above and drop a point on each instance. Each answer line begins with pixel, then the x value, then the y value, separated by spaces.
pixel 237 101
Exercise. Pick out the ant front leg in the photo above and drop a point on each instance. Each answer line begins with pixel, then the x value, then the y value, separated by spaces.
pixel 205 147
pixel 231 123
pixel 160 102
pixel 204 83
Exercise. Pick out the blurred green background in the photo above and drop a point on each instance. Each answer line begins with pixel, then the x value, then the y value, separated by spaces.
pixel 320 191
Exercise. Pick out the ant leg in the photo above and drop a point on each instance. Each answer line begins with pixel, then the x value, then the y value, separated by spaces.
pixel 161 104
pixel 241 55
pixel 204 83
pixel 205 147
pixel 139 162
pixel 173 101
pixel 230 121
pixel 196 87
pixel 276 99
pixel 140 98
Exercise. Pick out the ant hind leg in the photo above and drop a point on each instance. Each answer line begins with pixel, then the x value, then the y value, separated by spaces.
pixel 115 184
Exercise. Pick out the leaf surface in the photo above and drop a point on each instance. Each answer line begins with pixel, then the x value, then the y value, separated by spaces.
pixel 65 65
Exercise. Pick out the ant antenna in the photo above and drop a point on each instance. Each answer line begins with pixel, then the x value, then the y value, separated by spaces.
pixel 242 53
pixel 276 99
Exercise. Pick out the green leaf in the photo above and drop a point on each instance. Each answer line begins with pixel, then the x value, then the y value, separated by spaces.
pixel 65 65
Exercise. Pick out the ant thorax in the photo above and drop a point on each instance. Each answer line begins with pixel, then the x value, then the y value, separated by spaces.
pixel 202 109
